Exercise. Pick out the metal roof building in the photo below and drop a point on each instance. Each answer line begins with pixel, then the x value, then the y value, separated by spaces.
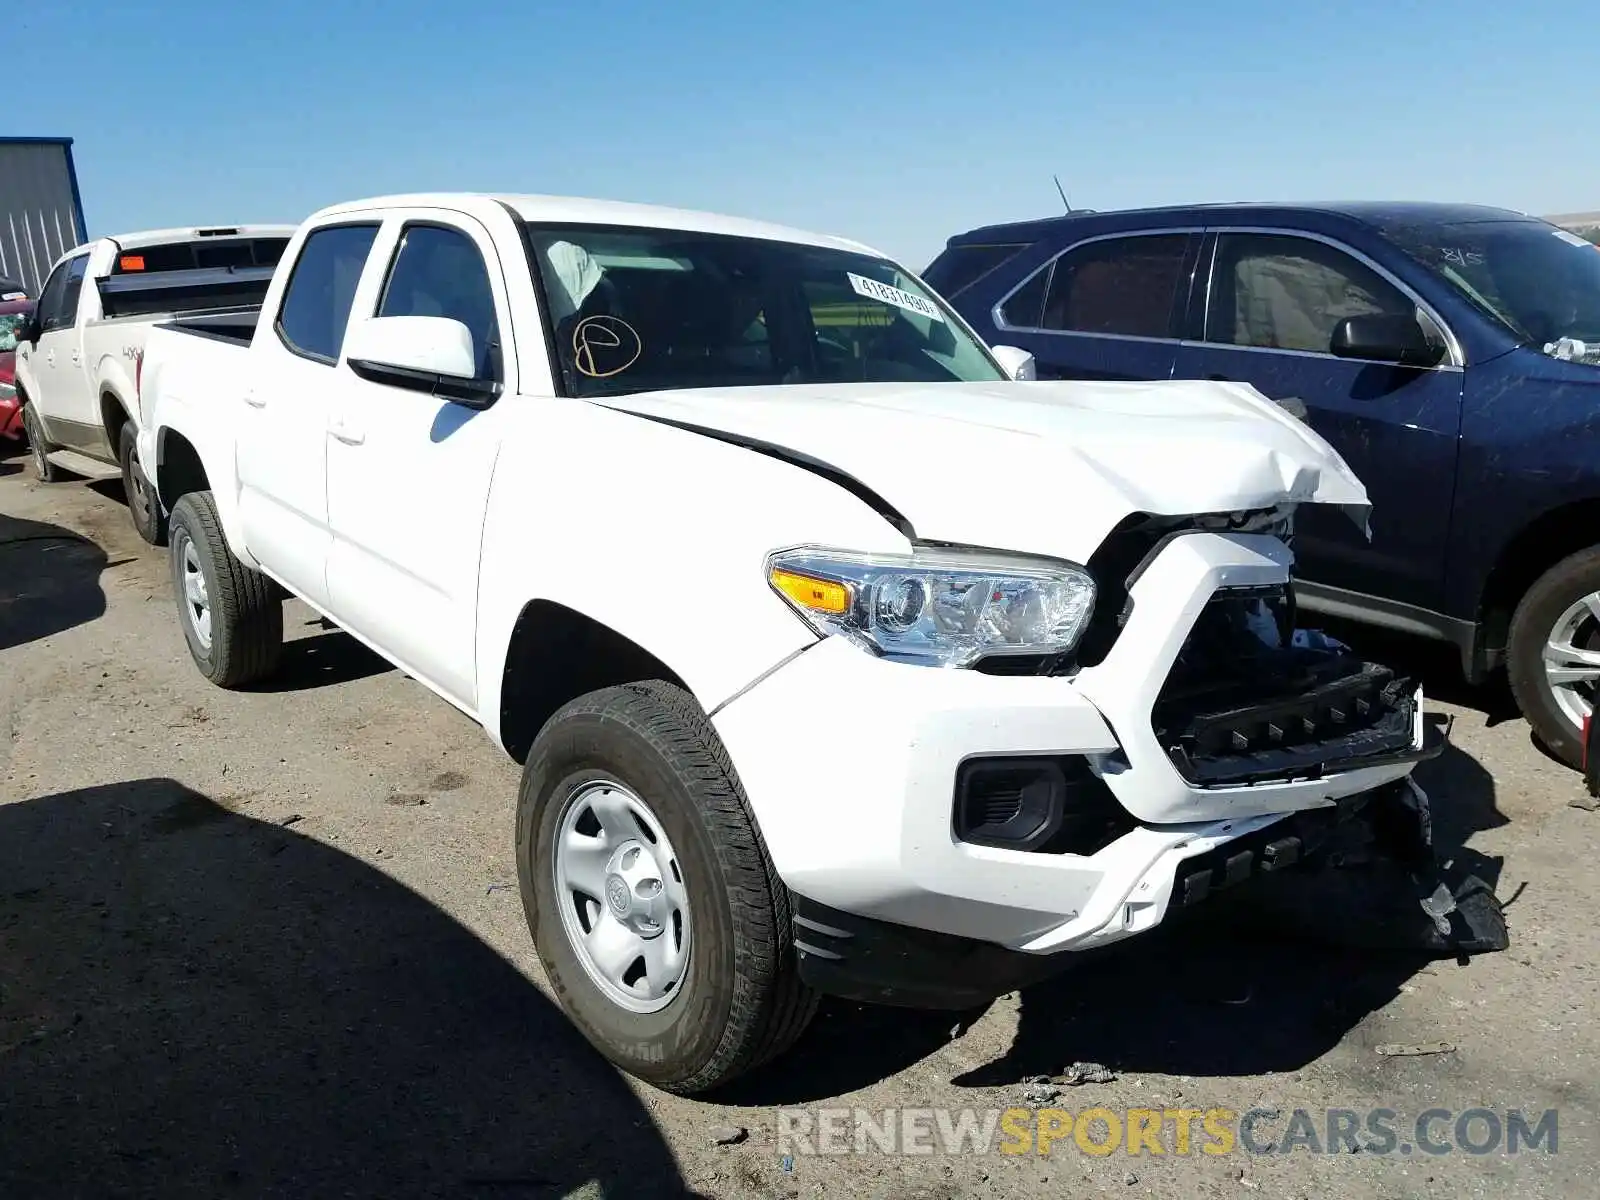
pixel 41 214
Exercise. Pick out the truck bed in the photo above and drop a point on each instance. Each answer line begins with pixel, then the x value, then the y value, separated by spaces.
pixel 236 327
pixel 175 292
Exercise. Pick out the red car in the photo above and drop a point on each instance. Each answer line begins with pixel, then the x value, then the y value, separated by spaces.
pixel 12 315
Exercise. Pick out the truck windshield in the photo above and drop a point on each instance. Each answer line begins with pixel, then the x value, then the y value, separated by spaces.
pixel 654 309
pixel 1541 282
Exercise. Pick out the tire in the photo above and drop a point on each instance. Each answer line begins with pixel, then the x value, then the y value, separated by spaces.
pixel 739 1001
pixel 44 470
pixel 144 506
pixel 1553 610
pixel 243 639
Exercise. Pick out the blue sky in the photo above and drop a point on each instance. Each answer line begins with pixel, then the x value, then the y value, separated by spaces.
pixel 898 124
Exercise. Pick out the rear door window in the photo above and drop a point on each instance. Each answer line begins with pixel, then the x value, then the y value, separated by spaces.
pixel 317 302
pixel 200 255
pixel 1281 292
pixel 1128 286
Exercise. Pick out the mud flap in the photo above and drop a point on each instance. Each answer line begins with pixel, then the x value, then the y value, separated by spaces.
pixel 1591 755
pixel 1378 883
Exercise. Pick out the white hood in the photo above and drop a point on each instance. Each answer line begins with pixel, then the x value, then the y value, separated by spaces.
pixel 1038 467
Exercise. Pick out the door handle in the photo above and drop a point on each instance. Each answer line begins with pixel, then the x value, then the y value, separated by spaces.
pixel 49 358
pixel 254 401
pixel 346 433
pixel 76 358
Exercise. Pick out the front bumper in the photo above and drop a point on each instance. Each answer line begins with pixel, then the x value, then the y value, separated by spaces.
pixel 878 962
pixel 10 417
pixel 849 761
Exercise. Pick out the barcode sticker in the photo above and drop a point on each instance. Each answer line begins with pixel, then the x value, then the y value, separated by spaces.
pixel 873 290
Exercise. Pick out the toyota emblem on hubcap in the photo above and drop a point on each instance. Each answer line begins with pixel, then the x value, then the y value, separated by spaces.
pixel 617 894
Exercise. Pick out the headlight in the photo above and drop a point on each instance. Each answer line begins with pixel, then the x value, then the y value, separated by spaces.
pixel 945 610
pixel 8 391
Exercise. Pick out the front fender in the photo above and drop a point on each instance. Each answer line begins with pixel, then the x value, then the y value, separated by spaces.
pixel 659 534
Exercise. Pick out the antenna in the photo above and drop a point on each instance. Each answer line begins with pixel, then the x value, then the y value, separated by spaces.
pixel 1064 199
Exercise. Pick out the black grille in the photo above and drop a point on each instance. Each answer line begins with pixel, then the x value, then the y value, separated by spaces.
pixel 1244 703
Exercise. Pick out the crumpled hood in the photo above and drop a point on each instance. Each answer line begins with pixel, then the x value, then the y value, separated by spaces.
pixel 1036 467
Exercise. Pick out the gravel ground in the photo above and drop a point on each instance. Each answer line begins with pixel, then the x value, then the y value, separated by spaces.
pixel 270 944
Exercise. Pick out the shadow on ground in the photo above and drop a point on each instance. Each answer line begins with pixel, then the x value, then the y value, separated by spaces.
pixel 1261 984
pixel 322 660
pixel 49 580
pixel 195 1003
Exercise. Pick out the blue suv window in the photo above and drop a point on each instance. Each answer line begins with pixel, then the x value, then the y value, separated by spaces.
pixel 1123 286
pixel 1280 292
pixel 959 267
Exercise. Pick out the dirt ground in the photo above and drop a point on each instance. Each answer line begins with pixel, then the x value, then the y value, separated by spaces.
pixel 270 944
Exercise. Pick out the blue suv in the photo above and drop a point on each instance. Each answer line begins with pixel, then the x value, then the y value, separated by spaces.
pixel 1450 353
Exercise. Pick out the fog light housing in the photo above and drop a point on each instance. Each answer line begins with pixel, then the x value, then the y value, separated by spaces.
pixel 1009 803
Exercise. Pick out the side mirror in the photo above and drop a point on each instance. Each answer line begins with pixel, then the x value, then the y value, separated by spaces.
pixel 424 354
pixel 28 331
pixel 1016 362
pixel 1384 337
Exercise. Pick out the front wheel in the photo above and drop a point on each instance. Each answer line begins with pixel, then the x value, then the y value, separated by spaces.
pixel 1553 653
pixel 232 616
pixel 657 914
pixel 44 470
pixel 144 506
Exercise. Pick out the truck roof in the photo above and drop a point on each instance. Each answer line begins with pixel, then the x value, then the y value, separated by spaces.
pixel 579 210
pixel 1376 213
pixel 197 233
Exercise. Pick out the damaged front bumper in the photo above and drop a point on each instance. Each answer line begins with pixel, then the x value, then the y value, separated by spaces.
pixel 1362 874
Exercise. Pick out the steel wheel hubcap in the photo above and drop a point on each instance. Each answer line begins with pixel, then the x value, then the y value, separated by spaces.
pixel 36 440
pixel 1572 659
pixel 196 600
pixel 624 907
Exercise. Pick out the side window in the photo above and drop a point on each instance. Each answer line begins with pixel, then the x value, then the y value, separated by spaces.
pixel 316 304
pixel 959 267
pixel 1280 292
pixel 50 297
pixel 61 310
pixel 1124 286
pixel 439 272
pixel 1023 307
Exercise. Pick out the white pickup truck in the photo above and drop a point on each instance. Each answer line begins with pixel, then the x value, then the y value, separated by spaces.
pixel 840 657
pixel 78 359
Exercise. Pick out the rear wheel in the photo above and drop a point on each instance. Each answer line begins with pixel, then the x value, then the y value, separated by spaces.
pixel 143 504
pixel 659 919
pixel 1553 653
pixel 232 616
pixel 44 470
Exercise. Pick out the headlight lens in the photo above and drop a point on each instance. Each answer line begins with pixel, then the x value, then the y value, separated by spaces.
pixel 8 391
pixel 947 609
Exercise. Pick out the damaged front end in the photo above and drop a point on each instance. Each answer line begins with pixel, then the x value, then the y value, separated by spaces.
pixel 1253 700
pixel 1365 873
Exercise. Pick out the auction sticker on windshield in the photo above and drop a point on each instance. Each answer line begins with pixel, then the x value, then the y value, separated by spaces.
pixel 873 290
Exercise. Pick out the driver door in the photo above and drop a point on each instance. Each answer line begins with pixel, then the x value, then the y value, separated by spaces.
pixel 1273 303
